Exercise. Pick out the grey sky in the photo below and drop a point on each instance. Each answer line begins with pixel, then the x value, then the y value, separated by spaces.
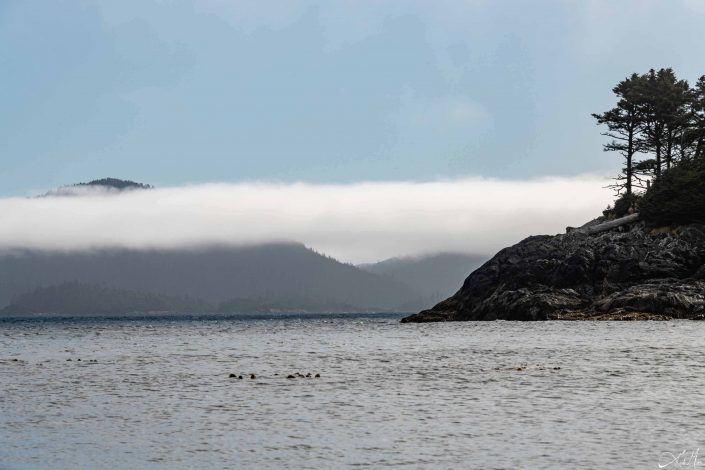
pixel 175 92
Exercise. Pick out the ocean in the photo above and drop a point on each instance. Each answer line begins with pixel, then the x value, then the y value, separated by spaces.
pixel 156 392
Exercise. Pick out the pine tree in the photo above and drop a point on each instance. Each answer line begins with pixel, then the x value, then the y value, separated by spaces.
pixel 624 123
pixel 664 109
pixel 695 135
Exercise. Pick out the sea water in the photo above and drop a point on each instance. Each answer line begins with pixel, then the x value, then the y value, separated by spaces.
pixel 156 393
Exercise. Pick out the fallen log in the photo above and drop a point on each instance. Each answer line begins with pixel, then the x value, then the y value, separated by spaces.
pixel 605 226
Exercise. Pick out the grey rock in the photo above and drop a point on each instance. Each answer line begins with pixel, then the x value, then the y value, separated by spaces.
pixel 629 273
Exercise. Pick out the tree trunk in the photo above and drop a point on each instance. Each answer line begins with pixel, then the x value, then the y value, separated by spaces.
pixel 669 149
pixel 603 227
pixel 630 154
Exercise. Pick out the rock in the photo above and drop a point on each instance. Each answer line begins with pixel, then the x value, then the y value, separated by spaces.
pixel 232 376
pixel 629 273
pixel 673 298
pixel 290 376
pixel 318 376
pixel 614 315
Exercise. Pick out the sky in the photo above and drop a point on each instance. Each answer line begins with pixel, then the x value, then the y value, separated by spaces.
pixel 192 93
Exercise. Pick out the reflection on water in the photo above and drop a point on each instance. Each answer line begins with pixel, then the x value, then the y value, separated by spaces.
pixel 156 393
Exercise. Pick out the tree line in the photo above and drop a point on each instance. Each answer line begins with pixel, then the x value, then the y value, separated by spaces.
pixel 657 123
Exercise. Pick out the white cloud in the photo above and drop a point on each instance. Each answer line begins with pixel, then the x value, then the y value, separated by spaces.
pixel 352 222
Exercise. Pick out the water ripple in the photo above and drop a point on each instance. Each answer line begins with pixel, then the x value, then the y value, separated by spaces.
pixel 156 393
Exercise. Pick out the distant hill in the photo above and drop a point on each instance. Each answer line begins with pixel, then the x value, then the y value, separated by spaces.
pixel 116 184
pixel 291 304
pixel 280 272
pixel 434 277
pixel 108 184
pixel 73 298
pixel 271 277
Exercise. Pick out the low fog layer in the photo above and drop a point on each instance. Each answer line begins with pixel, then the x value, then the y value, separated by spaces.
pixel 359 222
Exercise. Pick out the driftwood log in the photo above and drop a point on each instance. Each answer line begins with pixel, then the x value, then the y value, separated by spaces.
pixel 605 226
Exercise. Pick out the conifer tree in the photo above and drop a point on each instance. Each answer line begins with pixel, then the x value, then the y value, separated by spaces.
pixel 664 109
pixel 695 135
pixel 624 124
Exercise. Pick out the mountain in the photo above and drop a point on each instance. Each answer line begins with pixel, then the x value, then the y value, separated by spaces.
pixel 213 274
pixel 73 298
pixel 271 277
pixel 115 183
pixel 432 277
pixel 105 184
pixel 290 304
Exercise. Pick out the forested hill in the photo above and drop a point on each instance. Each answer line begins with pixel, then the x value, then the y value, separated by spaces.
pixel 115 183
pixel 214 275
pixel 435 277
pixel 73 298
pixel 107 184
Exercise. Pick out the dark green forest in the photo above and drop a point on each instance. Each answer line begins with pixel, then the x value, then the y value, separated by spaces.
pixel 116 184
pixel 75 298
pixel 657 128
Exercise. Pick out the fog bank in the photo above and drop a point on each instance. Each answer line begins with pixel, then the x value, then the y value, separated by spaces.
pixel 357 222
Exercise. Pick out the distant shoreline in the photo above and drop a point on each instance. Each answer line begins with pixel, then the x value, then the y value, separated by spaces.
pixel 49 317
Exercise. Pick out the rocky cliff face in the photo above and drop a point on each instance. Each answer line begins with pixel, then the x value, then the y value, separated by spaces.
pixel 631 272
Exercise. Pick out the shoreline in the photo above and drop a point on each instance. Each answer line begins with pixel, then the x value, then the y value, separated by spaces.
pixel 628 271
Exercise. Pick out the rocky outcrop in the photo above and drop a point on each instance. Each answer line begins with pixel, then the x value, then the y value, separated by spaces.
pixel 631 272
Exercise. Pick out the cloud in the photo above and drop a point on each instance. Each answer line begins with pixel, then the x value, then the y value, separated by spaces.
pixel 353 222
